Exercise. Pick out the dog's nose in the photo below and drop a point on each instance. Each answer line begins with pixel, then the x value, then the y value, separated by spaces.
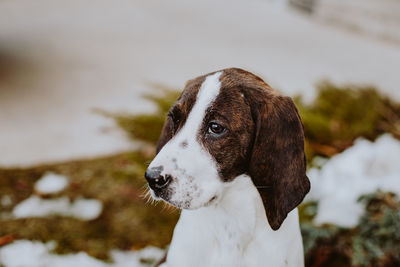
pixel 155 179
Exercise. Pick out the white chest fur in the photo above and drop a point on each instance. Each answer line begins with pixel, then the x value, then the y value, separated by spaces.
pixel 235 232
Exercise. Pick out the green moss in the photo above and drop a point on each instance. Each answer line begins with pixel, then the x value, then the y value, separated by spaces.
pixel 147 127
pixel 375 241
pixel 141 127
pixel 127 221
pixel 339 115
pixel 378 237
pixel 307 211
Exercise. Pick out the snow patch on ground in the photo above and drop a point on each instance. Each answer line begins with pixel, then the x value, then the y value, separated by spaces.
pixel 5 201
pixel 134 258
pixel 34 206
pixel 75 58
pixel 25 253
pixel 361 169
pixel 51 183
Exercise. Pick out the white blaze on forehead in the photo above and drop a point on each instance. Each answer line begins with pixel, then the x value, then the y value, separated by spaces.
pixel 195 174
pixel 208 92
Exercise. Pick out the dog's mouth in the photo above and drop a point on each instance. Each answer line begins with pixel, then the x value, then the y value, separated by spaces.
pixel 211 201
pixel 161 194
pixel 191 199
pixel 183 204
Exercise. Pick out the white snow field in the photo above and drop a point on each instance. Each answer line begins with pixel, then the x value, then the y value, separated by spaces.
pixel 62 59
pixel 25 253
pixel 34 206
pixel 361 169
pixel 375 18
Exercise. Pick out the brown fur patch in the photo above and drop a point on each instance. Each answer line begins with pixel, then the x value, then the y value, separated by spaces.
pixel 278 165
pixel 231 150
pixel 179 111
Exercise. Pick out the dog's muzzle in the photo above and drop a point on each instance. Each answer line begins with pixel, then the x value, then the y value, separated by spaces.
pixel 155 179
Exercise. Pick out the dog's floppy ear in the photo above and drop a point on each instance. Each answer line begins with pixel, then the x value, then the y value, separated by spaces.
pixel 277 165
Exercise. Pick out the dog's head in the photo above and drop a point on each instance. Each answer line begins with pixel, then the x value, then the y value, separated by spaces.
pixel 223 125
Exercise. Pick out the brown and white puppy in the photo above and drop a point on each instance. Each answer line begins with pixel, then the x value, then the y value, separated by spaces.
pixel 231 155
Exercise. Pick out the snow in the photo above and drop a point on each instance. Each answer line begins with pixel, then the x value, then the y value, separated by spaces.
pixel 5 201
pixel 76 58
pixel 51 183
pixel 132 258
pixel 25 253
pixel 34 206
pixel 375 18
pixel 361 169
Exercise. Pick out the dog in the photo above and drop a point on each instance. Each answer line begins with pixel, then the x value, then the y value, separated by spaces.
pixel 231 156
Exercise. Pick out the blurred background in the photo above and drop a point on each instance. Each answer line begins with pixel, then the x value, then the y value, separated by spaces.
pixel 85 87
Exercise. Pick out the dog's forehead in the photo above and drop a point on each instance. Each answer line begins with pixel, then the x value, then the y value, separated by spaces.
pixel 232 81
pixel 187 99
pixel 238 78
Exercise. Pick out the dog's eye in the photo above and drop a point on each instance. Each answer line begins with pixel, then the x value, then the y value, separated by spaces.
pixel 215 128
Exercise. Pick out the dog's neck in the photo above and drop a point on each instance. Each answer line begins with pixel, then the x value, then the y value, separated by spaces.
pixel 234 231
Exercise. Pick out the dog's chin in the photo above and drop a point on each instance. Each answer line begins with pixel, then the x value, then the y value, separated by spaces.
pixel 157 195
pixel 187 204
pixel 162 196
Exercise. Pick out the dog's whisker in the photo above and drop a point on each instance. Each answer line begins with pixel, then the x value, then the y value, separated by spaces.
pixel 144 192
pixel 171 209
pixel 165 207
pixel 146 195
pixel 145 186
pixel 148 198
